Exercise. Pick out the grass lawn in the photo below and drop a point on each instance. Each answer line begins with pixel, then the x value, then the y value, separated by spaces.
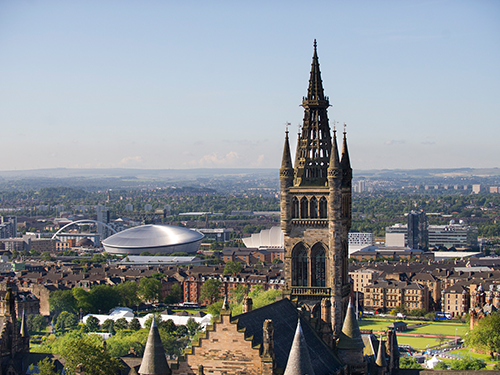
pixel 419 343
pixel 434 328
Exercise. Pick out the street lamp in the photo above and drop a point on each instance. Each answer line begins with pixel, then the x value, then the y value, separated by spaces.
pixel 456 338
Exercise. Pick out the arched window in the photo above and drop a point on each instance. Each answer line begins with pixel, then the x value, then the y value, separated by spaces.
pixel 303 208
pixel 295 208
pixel 318 265
pixel 323 211
pixel 299 266
pixel 313 204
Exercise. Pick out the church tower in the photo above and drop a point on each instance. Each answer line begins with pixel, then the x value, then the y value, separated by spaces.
pixel 316 208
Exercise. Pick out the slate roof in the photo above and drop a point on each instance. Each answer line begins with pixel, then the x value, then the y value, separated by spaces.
pixel 299 362
pixel 285 316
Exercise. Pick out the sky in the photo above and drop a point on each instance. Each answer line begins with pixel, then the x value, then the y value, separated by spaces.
pixel 211 84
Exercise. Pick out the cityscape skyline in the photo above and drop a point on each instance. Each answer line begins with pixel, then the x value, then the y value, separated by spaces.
pixel 194 85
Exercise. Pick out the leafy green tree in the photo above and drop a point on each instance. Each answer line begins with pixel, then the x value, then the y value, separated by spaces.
pixel 92 324
pixel 134 324
pixel 128 292
pixel 192 327
pixel 106 325
pixel 66 321
pixel 467 363
pixel 82 300
pixel 103 298
pixel 210 291
pixel 175 294
pixel 486 334
pixel 150 289
pixel 36 323
pixel 87 350
pixel 240 292
pixel 408 363
pixel 440 366
pixel 62 300
pixel 46 367
pixel 232 268
pixel 121 324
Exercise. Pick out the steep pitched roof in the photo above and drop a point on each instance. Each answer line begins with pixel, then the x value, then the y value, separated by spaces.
pixel 350 337
pixel 299 362
pixel 285 316
pixel 154 361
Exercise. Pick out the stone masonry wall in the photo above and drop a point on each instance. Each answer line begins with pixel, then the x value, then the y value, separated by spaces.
pixel 223 350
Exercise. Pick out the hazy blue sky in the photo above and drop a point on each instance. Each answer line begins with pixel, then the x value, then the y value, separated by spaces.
pixel 183 84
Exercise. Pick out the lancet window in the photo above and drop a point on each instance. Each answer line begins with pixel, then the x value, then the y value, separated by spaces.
pixel 318 265
pixel 299 266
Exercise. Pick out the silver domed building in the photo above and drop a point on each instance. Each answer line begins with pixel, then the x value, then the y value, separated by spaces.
pixel 153 239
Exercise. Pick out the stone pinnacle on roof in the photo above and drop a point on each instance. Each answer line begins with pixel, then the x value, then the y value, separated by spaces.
pixel 286 161
pixel 154 361
pixel 350 337
pixel 24 327
pixel 334 155
pixel 299 362
pixel 225 304
pixel 381 361
pixel 345 161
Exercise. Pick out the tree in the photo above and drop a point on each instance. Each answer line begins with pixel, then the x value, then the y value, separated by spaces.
pixel 66 321
pixel 210 291
pixel 467 363
pixel 134 324
pixel 128 292
pixel 175 294
pixel 106 325
pixel 408 362
pixel 103 298
pixel 232 268
pixel 486 334
pixel 62 300
pixel 87 350
pixel 46 367
pixel 440 366
pixel 36 323
pixel 192 327
pixel 82 299
pixel 150 289
pixel 92 324
pixel 121 324
pixel 440 338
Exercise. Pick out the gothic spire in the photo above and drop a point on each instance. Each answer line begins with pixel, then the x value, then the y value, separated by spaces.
pixel 315 142
pixel 350 337
pixel 154 361
pixel 299 362
pixel 315 90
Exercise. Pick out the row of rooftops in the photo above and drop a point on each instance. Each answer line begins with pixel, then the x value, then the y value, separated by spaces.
pixel 71 275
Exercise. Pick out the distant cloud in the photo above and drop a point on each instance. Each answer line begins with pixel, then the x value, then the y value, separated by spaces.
pixel 395 142
pixel 214 159
pixel 131 160
pixel 428 143
pixel 259 162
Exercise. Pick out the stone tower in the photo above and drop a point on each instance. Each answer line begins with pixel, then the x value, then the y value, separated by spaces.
pixel 316 208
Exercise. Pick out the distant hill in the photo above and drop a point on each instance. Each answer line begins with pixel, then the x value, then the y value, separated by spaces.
pixel 161 174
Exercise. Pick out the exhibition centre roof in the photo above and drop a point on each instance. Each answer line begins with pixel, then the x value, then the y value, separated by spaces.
pixel 150 236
